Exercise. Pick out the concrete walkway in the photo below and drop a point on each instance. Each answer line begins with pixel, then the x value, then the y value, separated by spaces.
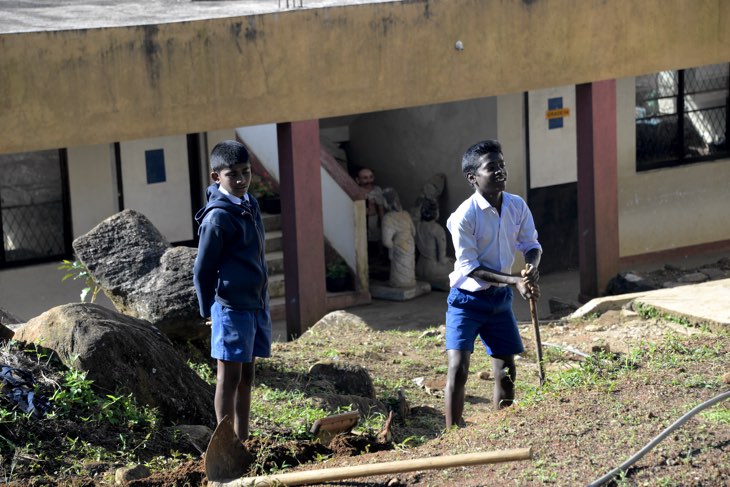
pixel 701 304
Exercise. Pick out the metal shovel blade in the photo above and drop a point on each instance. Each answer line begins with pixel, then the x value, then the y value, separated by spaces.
pixel 226 458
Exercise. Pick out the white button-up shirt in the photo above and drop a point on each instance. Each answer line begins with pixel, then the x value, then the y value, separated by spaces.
pixel 484 238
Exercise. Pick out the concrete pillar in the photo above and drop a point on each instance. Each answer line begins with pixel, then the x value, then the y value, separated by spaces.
pixel 300 186
pixel 598 239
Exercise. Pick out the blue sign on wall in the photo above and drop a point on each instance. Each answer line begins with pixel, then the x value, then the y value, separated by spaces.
pixel 155 162
pixel 555 113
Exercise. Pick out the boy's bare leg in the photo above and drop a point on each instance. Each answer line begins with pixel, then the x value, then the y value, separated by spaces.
pixel 226 385
pixel 505 373
pixel 455 391
pixel 243 400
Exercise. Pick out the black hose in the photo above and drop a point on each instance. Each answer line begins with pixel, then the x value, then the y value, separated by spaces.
pixel 622 468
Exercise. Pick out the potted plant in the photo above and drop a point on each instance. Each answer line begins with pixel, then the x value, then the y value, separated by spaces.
pixel 337 276
pixel 264 190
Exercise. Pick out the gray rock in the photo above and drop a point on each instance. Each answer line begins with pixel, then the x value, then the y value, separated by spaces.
pixel 143 275
pixel 7 318
pixel 349 379
pixel 123 355
pixel 127 474
pixel 197 435
pixel 714 273
pixel 694 278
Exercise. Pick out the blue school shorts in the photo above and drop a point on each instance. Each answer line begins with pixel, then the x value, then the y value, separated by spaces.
pixel 487 314
pixel 239 335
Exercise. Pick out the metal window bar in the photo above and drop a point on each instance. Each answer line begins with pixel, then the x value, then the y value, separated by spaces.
pixel 663 137
pixel 35 228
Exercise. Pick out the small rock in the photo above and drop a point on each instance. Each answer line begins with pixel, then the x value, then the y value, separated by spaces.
pixel 595 328
pixel 127 474
pixel 726 378
pixel 433 332
pixel 419 381
pixel 395 482
pixel 435 387
pixel 484 375
pixel 197 434
pixel 694 278
pixel 714 273
pixel 602 347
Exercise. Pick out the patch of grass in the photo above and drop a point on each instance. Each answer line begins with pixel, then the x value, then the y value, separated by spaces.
pixel 717 415
pixel 204 371
pixel 283 409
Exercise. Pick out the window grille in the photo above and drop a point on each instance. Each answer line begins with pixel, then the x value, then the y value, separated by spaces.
pixel 682 116
pixel 34 212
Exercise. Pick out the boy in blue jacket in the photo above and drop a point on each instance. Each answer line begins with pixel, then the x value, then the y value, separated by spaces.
pixel 231 281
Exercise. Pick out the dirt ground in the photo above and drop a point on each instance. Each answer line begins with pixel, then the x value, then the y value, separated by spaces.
pixel 614 382
pixel 655 372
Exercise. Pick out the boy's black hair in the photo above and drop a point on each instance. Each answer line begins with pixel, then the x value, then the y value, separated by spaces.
pixel 470 161
pixel 226 154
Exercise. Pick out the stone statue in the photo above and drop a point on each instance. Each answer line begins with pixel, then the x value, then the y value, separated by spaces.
pixel 433 265
pixel 398 234
pixel 374 203
pixel 430 191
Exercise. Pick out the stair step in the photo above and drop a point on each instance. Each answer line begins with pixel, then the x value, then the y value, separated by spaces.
pixel 276 285
pixel 275 262
pixel 271 221
pixel 273 241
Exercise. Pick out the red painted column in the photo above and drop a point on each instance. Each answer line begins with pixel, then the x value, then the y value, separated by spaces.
pixel 300 186
pixel 598 239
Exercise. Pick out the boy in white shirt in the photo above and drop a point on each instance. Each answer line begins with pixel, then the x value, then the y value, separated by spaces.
pixel 486 230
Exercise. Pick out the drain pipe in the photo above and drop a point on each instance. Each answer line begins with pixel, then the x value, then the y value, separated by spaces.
pixel 622 468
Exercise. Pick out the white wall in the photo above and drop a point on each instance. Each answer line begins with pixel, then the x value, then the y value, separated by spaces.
pixel 553 152
pixel 166 204
pixel 92 185
pixel 511 134
pixel 666 208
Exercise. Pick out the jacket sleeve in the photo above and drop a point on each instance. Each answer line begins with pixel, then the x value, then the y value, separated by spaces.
pixel 207 263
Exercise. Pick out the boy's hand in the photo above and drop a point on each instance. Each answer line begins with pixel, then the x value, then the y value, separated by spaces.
pixel 530 274
pixel 528 290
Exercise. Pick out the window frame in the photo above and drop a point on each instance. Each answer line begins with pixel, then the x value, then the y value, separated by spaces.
pixel 681 158
pixel 66 224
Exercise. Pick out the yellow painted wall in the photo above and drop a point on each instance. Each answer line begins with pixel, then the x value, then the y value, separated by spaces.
pixel 84 87
pixel 666 208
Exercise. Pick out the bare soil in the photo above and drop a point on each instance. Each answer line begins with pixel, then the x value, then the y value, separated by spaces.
pixel 655 372
pixel 592 414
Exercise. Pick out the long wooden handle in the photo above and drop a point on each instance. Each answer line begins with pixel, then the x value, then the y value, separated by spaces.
pixel 538 341
pixel 341 473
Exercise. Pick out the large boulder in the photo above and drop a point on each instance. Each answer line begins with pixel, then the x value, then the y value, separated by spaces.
pixel 143 275
pixel 123 355
pixel 7 318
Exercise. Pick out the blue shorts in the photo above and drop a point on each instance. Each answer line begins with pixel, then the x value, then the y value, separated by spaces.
pixel 487 314
pixel 238 336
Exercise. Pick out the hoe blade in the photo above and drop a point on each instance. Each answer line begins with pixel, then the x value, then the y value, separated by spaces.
pixel 226 458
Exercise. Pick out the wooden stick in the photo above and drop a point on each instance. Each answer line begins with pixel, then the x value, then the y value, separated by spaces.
pixel 538 341
pixel 341 473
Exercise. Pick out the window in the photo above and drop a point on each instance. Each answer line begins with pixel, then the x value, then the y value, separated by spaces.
pixel 682 116
pixel 34 214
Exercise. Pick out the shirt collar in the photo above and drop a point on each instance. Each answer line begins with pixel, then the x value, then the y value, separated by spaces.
pixel 233 198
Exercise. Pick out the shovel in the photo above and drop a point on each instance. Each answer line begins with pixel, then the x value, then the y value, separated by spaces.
pixel 226 458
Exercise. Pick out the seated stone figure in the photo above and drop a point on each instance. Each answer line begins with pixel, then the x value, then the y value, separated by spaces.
pixel 433 265
pixel 430 191
pixel 398 233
